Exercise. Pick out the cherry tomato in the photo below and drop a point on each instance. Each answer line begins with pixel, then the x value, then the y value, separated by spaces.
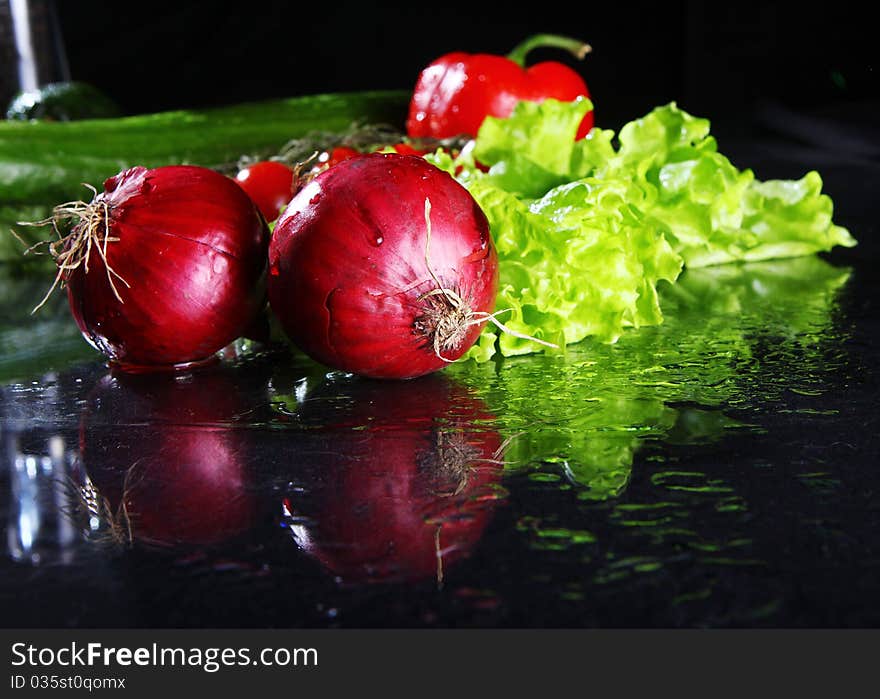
pixel 338 154
pixel 406 149
pixel 270 184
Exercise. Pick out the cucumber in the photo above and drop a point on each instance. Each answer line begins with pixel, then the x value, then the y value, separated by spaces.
pixel 42 161
pixel 45 163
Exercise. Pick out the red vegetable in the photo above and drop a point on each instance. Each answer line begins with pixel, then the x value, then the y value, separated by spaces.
pixel 332 157
pixel 457 91
pixel 400 480
pixel 407 149
pixel 337 155
pixel 186 475
pixel 165 266
pixel 355 281
pixel 270 184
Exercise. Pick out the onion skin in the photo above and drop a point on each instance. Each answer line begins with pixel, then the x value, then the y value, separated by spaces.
pixel 192 251
pixel 348 272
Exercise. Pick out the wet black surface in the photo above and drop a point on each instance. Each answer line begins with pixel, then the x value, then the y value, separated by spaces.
pixel 719 470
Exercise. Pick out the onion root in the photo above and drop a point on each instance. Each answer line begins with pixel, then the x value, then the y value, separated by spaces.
pixel 71 250
pixel 446 316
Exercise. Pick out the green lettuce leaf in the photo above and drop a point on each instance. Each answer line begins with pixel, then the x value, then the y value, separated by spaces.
pixel 532 151
pixel 575 263
pixel 586 230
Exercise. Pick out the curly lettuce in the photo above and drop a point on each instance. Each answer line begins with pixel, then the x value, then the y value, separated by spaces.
pixel 586 230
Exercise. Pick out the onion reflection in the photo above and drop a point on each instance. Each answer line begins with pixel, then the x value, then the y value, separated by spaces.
pixel 402 482
pixel 163 462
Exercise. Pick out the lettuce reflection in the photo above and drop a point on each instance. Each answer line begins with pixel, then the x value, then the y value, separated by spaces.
pixel 732 336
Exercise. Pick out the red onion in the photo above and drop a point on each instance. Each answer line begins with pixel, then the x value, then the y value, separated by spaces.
pixel 165 266
pixel 400 480
pixel 383 266
pixel 185 476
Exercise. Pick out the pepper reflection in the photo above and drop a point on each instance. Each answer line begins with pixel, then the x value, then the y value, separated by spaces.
pixel 400 481
pixel 162 460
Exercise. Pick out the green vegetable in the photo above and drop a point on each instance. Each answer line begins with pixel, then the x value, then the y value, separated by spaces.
pixel 734 336
pixel 32 345
pixel 44 163
pixel 586 230
pixel 67 101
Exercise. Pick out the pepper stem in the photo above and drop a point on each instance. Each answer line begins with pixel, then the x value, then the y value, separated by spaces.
pixel 575 47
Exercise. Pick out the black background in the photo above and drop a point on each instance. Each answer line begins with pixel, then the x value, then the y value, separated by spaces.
pixel 723 61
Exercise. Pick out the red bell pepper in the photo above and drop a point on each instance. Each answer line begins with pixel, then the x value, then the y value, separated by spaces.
pixel 457 91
